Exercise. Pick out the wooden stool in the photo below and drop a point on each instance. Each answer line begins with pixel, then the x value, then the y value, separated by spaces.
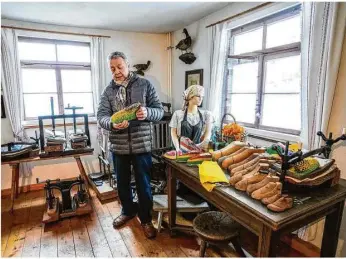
pixel 160 204
pixel 217 228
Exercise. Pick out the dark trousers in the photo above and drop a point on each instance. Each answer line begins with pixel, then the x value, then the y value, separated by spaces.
pixel 142 164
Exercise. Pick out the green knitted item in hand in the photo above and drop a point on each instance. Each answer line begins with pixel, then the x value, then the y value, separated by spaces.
pixel 127 114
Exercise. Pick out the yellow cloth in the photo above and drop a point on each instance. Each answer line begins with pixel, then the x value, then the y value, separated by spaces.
pixel 211 173
pixel 295 147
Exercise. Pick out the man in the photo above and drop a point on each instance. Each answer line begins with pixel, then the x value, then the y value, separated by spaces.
pixel 131 141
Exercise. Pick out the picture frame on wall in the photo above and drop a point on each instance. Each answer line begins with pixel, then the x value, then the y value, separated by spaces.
pixel 193 77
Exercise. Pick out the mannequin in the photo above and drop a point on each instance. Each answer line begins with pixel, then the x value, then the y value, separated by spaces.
pixel 190 121
pixel 195 124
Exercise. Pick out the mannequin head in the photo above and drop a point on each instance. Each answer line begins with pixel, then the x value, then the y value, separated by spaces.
pixel 193 96
pixel 196 100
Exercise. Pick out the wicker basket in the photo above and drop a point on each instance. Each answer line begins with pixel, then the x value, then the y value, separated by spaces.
pixel 227 139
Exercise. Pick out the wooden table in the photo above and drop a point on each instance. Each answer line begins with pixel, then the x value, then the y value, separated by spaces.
pixel 15 168
pixel 254 216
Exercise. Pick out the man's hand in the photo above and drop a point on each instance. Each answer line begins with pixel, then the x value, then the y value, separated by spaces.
pixel 142 113
pixel 122 125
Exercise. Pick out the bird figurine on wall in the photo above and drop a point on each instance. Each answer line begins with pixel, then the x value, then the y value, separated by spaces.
pixel 141 67
pixel 186 43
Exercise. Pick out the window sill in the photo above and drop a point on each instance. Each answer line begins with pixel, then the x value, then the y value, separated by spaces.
pixel 33 124
pixel 272 135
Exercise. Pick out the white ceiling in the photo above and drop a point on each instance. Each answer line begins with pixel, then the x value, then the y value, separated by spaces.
pixel 154 17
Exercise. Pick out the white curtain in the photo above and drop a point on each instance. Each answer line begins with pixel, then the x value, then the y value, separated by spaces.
pixel 217 39
pixel 98 77
pixel 11 84
pixel 323 31
pixel 98 67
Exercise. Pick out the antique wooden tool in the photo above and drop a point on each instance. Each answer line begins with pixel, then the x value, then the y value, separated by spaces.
pixel 69 205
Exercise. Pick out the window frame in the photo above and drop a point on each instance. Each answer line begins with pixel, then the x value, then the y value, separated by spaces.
pixel 261 56
pixel 57 66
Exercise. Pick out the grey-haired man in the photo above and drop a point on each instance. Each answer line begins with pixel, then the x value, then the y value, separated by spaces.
pixel 130 141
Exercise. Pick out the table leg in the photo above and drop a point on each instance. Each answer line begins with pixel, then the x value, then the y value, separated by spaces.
pixel 15 170
pixel 17 181
pixel 83 174
pixel 267 243
pixel 172 198
pixel 159 221
pixel 331 231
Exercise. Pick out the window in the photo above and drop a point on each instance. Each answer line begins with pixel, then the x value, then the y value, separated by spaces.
pixel 58 69
pixel 263 75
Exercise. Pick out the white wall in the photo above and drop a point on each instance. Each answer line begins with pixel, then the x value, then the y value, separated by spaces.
pixel 337 119
pixel 139 47
pixel 200 47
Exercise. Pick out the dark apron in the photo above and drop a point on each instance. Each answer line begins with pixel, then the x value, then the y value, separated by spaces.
pixel 192 132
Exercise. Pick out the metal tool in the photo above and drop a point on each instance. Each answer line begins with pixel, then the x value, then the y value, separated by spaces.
pixel 52 112
pixel 288 160
pixel 73 108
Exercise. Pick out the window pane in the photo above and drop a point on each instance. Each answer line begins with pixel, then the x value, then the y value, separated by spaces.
pixel 282 75
pixel 39 105
pixel 38 80
pixel 248 41
pixel 73 53
pixel 79 99
pixel 282 111
pixel 76 80
pixel 283 32
pixel 243 107
pixel 36 51
pixel 244 78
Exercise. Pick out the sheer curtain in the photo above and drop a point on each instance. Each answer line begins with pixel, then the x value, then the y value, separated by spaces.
pixel 98 67
pixel 11 84
pixel 323 31
pixel 217 38
pixel 98 74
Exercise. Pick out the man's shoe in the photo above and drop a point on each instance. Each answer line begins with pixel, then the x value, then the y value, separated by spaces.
pixel 149 230
pixel 121 220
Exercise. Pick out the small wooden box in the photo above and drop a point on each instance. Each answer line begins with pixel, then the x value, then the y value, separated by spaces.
pixel 54 148
pixel 80 144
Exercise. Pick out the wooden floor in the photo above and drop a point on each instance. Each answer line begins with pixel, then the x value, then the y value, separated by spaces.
pixel 22 234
